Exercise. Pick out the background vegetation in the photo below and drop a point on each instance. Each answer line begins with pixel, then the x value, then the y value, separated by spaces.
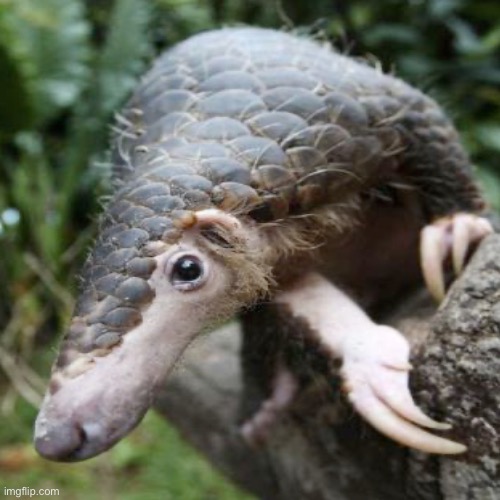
pixel 65 67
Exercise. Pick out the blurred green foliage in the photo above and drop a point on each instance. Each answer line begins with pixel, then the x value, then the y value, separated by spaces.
pixel 67 65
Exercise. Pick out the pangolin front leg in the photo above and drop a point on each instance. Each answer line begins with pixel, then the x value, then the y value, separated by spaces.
pixel 375 364
pixel 449 237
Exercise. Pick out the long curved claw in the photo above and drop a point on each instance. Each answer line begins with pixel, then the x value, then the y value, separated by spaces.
pixel 375 373
pixel 432 254
pixel 389 423
pixel 393 390
pixel 450 236
pixel 467 230
pixel 461 239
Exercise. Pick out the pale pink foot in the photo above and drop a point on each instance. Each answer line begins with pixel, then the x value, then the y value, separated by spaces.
pixel 375 373
pixel 375 365
pixel 256 430
pixel 452 236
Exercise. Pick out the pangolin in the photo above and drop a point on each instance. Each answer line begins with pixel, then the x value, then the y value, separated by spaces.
pixel 256 165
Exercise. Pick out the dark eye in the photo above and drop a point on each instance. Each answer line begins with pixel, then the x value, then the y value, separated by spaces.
pixel 187 273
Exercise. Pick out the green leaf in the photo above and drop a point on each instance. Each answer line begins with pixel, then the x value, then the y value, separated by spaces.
pixel 491 185
pixel 49 43
pixel 122 58
pixel 16 110
pixel 59 45
pixel 441 9
pixel 466 40
pixel 393 33
pixel 491 41
pixel 489 135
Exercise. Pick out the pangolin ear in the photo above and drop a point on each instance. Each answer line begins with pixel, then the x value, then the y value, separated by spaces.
pixel 220 228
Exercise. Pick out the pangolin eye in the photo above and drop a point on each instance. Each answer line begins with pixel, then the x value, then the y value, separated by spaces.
pixel 187 273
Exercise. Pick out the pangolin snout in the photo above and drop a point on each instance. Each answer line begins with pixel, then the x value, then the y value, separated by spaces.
pixel 89 413
pixel 80 435
pixel 98 399
pixel 61 441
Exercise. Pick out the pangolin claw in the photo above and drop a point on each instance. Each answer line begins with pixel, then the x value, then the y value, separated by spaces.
pixel 390 423
pixel 432 255
pixel 381 393
pixel 452 236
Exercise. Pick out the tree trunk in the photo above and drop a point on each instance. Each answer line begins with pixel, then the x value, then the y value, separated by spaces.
pixel 322 450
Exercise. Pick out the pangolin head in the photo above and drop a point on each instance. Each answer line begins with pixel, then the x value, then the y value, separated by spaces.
pixel 166 265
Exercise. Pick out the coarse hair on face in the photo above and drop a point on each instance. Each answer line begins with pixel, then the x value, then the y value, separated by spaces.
pixel 243 254
pixel 305 233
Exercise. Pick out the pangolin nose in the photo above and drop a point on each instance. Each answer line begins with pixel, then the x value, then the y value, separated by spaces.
pixel 61 441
